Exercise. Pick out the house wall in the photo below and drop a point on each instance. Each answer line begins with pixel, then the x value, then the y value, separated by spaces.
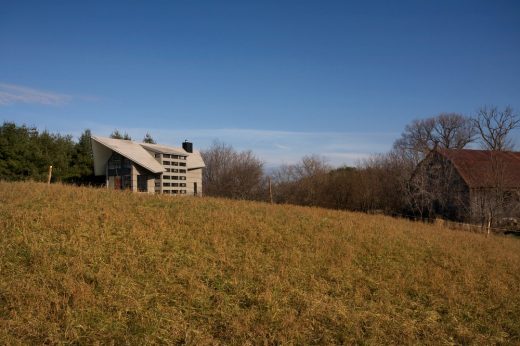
pixel 151 185
pixel 194 176
pixel 111 183
pixel 134 178
pixel 176 180
pixel 150 181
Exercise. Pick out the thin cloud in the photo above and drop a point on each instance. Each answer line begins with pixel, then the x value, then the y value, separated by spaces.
pixel 272 146
pixel 11 94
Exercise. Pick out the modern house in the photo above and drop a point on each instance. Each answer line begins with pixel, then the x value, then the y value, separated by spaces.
pixel 150 168
pixel 477 186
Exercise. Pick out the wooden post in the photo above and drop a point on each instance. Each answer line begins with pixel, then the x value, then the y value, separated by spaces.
pixel 489 225
pixel 270 191
pixel 50 175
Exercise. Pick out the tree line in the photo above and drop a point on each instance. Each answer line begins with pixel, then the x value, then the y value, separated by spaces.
pixel 26 154
pixel 381 183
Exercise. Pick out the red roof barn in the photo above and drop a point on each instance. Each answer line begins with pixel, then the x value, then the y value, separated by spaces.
pixel 468 185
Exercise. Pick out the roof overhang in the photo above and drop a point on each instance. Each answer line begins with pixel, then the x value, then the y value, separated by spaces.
pixel 103 147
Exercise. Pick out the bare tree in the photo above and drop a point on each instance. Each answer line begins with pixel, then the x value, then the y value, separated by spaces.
pixel 494 127
pixel 496 201
pixel 232 174
pixel 381 183
pixel 301 183
pixel 453 131
pixel 447 130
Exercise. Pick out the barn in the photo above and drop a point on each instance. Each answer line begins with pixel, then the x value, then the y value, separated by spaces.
pixel 476 186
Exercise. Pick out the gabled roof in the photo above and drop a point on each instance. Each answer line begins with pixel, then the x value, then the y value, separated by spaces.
pixel 164 149
pixel 193 160
pixel 132 151
pixel 138 153
pixel 484 168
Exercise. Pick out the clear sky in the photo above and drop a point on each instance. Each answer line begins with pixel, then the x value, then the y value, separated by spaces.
pixel 283 78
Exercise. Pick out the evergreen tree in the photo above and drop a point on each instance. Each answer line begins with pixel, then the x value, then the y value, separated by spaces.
pixel 16 148
pixel 117 135
pixel 27 154
pixel 83 159
pixel 148 139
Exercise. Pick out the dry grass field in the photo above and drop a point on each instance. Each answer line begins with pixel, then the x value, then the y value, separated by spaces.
pixel 90 266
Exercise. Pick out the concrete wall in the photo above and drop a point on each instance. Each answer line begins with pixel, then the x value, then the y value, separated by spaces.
pixel 151 185
pixel 111 183
pixel 150 182
pixel 170 182
pixel 194 176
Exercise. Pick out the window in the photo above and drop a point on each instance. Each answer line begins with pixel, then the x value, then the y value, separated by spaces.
pixel 157 155
pixel 166 184
pixel 175 184
pixel 175 156
pixel 126 182
pixel 182 178
pixel 175 177
pixel 166 156
pixel 175 170
pixel 166 177
pixel 168 169
pixel 182 164
pixel 175 163
pixel 142 183
pixel 182 171
pixel 119 165
pixel 166 162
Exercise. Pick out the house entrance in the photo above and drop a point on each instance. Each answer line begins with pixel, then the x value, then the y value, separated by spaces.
pixel 122 182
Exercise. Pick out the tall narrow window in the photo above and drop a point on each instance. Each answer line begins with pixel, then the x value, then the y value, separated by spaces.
pixel 142 183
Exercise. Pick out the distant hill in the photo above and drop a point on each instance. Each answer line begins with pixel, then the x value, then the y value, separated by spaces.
pixel 85 265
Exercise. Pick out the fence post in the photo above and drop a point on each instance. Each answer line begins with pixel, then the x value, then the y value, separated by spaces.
pixel 50 175
pixel 489 226
pixel 270 191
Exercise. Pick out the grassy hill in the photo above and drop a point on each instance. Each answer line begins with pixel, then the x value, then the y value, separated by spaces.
pixel 82 265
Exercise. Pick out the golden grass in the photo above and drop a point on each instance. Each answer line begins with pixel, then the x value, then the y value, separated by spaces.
pixel 87 266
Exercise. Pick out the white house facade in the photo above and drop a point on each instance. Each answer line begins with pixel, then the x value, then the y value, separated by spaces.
pixel 150 168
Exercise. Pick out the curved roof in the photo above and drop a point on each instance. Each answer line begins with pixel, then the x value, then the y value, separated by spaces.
pixel 131 150
pixel 484 168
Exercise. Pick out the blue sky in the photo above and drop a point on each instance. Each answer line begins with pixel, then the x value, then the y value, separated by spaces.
pixel 282 78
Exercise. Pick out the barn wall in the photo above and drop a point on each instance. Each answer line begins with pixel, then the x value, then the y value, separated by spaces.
pixel 440 189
